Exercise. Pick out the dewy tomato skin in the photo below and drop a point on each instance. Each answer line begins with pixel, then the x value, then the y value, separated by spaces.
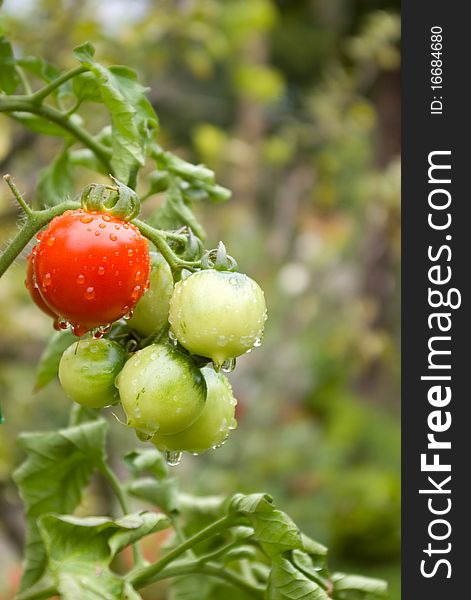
pixel 33 290
pixel 91 268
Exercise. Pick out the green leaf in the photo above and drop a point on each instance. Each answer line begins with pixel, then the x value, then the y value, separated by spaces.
pixel 58 466
pixel 80 550
pixel 162 494
pixel 367 588
pixel 56 181
pixel 176 212
pixel 191 587
pixel 39 67
pixel 48 366
pixel 85 87
pixel 149 460
pixel 38 124
pixel 84 157
pixel 273 529
pixel 286 582
pixel 132 116
pixel 9 78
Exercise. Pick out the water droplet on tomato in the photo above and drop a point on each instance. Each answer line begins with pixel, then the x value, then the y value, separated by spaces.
pixel 79 330
pixel 106 218
pixel 97 233
pixel 98 334
pixel 90 293
pixel 173 458
pixel 89 228
pixel 228 365
pixel 128 315
pixel 51 241
pixel 136 292
pixel 113 237
pixel 130 252
pixel 101 270
pixel 126 226
pixel 63 325
pixel 118 227
pixel 81 279
pixel 102 225
pixel 47 279
pixel 39 235
pixel 116 253
pixel 105 259
pixel 86 219
pixel 138 276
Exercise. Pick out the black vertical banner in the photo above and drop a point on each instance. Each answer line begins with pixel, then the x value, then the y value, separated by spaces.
pixel 436 313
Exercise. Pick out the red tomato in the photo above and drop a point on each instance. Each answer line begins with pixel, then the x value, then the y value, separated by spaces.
pixel 91 268
pixel 33 290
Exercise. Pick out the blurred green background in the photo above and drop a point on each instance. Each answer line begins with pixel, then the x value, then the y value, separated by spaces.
pixel 295 104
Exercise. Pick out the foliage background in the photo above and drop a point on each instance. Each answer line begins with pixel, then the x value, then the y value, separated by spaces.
pixel 295 104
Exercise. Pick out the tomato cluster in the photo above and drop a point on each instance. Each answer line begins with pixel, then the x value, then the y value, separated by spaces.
pixel 90 269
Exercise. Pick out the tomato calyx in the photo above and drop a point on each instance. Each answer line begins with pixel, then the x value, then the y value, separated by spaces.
pixel 218 259
pixel 118 201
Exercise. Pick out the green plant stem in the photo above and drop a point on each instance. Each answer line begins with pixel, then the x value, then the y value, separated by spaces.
pixel 212 570
pixel 41 94
pixel 25 104
pixel 117 488
pixel 144 576
pixel 37 593
pixel 19 198
pixel 34 222
pixel 158 238
pixel 24 80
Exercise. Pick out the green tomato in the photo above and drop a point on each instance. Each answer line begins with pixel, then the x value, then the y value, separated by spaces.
pixel 218 314
pixel 161 390
pixel 87 371
pixel 212 426
pixel 151 312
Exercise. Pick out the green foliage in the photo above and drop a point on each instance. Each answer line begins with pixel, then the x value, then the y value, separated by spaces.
pixel 58 466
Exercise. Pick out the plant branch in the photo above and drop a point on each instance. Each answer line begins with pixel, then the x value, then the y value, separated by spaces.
pixel 34 222
pixel 213 570
pixel 19 198
pixel 13 104
pixel 41 94
pixel 117 488
pixel 144 576
pixel 158 238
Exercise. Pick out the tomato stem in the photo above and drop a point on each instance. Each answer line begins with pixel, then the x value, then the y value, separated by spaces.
pixel 16 192
pixel 212 570
pixel 117 488
pixel 36 219
pixel 45 91
pixel 146 575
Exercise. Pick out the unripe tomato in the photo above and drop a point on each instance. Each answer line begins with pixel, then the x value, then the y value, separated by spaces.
pixel 151 312
pixel 91 268
pixel 217 314
pixel 31 286
pixel 88 369
pixel 213 425
pixel 161 390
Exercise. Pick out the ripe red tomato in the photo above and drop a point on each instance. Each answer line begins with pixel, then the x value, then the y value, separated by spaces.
pixel 91 268
pixel 33 290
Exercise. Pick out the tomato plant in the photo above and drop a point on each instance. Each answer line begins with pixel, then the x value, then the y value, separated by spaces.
pixel 91 268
